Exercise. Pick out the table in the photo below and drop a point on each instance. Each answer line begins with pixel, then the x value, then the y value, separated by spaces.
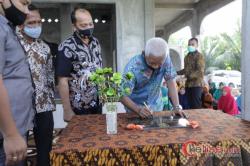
pixel 85 142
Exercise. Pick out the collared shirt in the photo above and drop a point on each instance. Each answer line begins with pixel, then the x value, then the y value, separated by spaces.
pixel 146 84
pixel 194 67
pixel 14 69
pixel 77 61
pixel 42 71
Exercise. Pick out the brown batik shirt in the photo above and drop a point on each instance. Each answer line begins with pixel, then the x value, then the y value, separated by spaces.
pixel 194 66
pixel 42 72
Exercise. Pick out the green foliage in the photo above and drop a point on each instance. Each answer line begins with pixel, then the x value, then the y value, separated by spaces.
pixel 223 51
pixel 111 85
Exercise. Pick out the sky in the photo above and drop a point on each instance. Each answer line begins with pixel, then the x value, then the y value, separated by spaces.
pixel 222 20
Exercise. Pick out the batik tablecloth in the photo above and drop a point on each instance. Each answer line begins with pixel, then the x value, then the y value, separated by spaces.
pixel 220 139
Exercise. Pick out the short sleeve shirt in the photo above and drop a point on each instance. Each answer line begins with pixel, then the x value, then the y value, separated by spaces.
pixel 77 61
pixel 146 85
pixel 42 71
pixel 14 69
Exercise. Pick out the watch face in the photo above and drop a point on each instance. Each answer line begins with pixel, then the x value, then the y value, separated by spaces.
pixel 178 107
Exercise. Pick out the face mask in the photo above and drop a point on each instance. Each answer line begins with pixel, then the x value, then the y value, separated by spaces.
pixel 151 68
pixel 33 32
pixel 191 49
pixel 86 33
pixel 14 15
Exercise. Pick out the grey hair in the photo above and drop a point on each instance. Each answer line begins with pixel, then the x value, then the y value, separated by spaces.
pixel 156 47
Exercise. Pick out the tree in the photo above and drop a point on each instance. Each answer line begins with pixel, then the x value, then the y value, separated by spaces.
pixel 223 51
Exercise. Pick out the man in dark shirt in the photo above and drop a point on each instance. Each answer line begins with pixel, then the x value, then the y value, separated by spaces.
pixel 79 56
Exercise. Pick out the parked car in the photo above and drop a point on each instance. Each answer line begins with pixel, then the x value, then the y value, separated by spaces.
pixel 230 77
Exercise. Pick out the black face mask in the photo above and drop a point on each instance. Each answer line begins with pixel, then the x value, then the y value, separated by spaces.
pixel 86 33
pixel 14 15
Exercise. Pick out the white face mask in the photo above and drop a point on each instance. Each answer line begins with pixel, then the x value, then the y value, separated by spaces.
pixel 33 32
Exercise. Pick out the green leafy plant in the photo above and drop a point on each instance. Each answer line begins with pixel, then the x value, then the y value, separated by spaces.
pixel 111 85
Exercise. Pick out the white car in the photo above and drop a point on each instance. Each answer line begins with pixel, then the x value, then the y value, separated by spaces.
pixel 229 77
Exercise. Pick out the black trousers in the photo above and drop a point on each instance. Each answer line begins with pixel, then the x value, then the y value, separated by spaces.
pixel 194 97
pixel 43 134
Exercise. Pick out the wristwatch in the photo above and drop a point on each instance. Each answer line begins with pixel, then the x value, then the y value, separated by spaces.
pixel 177 108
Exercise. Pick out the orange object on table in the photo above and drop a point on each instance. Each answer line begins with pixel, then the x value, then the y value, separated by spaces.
pixel 132 126
pixel 194 124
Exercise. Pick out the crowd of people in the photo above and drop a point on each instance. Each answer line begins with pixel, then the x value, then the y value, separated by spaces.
pixel 27 80
pixel 195 93
pixel 224 98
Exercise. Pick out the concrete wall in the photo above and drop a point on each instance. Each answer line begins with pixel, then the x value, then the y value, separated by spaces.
pixel 245 59
pixel 66 26
pixel 130 30
pixel 133 28
pixel 51 31
pixel 105 37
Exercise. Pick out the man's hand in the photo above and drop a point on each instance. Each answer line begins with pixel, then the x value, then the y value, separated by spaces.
pixel 15 149
pixel 144 112
pixel 179 113
pixel 68 115
pixel 63 88
pixel 14 145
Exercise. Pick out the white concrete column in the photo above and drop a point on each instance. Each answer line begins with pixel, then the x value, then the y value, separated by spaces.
pixel 66 25
pixel 195 27
pixel 245 59
pixel 130 29
pixel 166 35
pixel 149 19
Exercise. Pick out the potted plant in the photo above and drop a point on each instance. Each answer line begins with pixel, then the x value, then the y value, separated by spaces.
pixel 111 87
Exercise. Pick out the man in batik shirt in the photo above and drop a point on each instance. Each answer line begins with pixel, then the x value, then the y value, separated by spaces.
pixel 149 69
pixel 79 56
pixel 40 62
pixel 194 67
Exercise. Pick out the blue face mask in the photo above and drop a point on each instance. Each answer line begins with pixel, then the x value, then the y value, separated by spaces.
pixel 33 32
pixel 191 49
